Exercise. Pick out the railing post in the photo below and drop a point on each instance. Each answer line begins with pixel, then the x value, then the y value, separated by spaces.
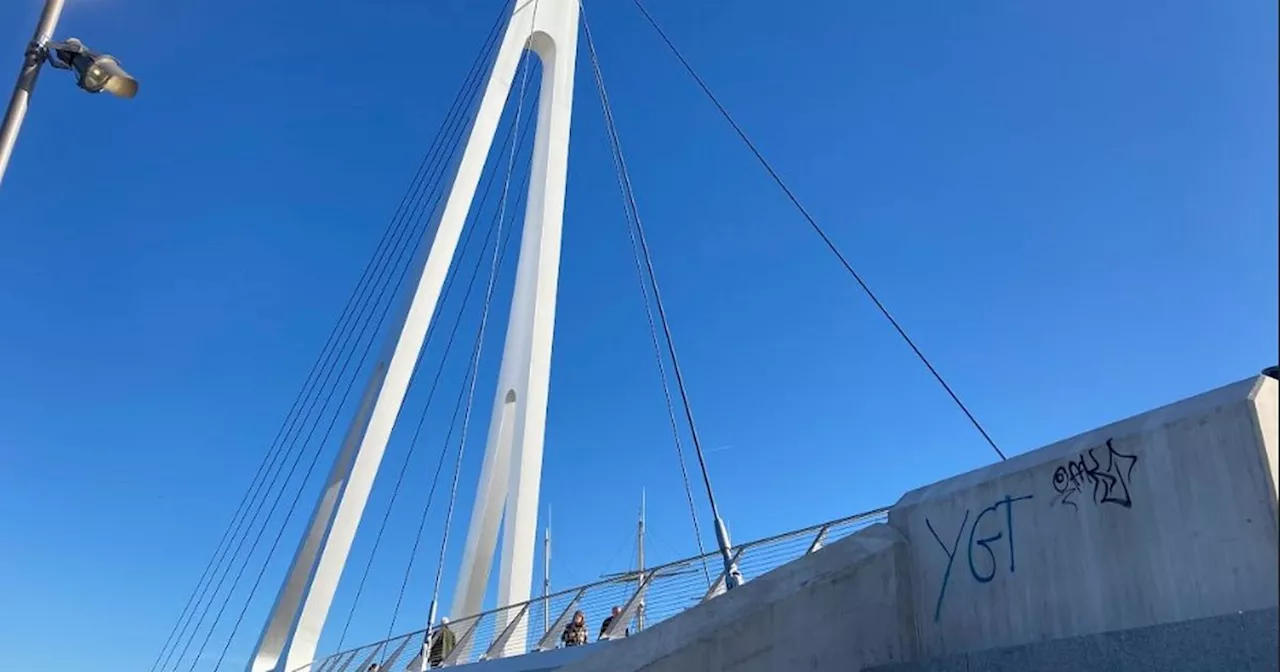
pixel 500 642
pixel 548 640
pixel 619 624
pixel 346 662
pixel 395 655
pixel 718 587
pixel 317 665
pixel 818 539
pixel 372 657
pixel 322 666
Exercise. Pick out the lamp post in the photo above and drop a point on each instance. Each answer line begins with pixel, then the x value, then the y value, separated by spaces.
pixel 95 72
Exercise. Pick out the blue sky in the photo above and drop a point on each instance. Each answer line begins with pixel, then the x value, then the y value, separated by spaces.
pixel 1071 206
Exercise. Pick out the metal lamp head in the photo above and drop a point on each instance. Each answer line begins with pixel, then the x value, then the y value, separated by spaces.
pixel 94 72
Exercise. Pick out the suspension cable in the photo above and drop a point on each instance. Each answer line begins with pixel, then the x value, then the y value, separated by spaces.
pixel 413 443
pixel 830 244
pixel 620 170
pixel 417 238
pixel 379 264
pixel 484 319
pixel 435 478
pixel 335 343
pixel 733 576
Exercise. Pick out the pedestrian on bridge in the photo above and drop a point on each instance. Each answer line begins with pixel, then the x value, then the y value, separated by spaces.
pixel 442 643
pixel 575 633
pixel 608 621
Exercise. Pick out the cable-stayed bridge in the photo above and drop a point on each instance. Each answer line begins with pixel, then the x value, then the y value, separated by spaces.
pixel 498 166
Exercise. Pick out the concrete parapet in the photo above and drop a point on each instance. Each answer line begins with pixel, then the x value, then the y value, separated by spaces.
pixel 1167 516
pixel 1140 536
pixel 841 608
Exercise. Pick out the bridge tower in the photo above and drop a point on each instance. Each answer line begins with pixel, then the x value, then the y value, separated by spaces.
pixel 512 470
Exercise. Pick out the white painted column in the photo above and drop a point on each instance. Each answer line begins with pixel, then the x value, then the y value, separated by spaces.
pixel 512 471
pixel 544 217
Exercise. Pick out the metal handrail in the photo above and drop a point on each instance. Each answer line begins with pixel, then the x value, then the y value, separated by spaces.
pixel 816 534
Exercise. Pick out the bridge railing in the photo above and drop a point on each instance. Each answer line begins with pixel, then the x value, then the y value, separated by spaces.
pixel 645 597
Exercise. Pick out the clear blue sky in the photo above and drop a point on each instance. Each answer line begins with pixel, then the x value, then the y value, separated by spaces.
pixel 1072 206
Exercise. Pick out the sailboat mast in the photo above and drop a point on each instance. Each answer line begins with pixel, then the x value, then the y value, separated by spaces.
pixel 640 561
pixel 546 574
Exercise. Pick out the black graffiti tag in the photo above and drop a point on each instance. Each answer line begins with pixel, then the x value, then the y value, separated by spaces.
pixel 1110 481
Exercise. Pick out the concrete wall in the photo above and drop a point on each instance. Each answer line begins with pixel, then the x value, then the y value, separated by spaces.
pixel 841 608
pixel 1236 643
pixel 1168 517
pixel 1164 517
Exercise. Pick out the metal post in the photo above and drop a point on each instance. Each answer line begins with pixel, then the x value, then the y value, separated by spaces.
pixel 732 577
pixel 721 584
pixel 26 84
pixel 346 662
pixel 546 574
pixel 395 655
pixel 818 539
pixel 498 648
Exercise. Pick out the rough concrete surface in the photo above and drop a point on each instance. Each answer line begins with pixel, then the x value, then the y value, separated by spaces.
pixel 1167 516
pixel 1147 544
pixel 1234 643
pixel 840 608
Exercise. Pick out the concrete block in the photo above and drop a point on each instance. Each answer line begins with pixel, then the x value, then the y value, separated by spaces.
pixel 1164 517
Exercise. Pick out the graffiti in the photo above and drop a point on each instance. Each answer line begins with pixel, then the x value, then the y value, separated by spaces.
pixel 984 568
pixel 1110 483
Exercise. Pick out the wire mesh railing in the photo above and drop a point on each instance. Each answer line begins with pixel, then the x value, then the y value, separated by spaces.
pixel 643 598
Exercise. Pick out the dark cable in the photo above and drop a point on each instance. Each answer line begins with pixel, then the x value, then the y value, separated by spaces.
pixel 620 169
pixel 435 479
pixel 416 236
pixel 269 460
pixel 395 231
pixel 629 196
pixel 484 321
pixel 818 229
pixel 486 190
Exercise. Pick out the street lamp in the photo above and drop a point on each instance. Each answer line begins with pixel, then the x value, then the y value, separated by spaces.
pixel 95 72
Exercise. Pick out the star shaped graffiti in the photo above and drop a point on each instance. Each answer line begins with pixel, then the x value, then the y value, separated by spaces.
pixel 1111 485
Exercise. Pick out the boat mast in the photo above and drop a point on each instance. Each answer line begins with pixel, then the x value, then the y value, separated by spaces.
pixel 640 558
pixel 546 574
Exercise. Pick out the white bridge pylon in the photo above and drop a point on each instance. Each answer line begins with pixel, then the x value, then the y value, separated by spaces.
pixel 512 471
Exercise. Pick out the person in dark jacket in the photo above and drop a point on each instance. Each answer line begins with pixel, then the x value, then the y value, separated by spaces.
pixel 575 633
pixel 608 621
